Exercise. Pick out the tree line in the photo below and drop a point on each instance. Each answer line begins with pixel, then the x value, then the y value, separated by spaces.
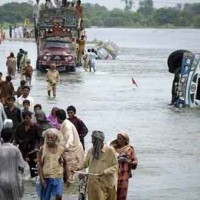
pixel 182 15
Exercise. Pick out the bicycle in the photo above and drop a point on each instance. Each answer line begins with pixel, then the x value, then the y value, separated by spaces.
pixel 83 178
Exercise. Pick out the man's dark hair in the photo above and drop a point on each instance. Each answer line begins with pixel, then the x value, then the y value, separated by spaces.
pixel 26 113
pixel 7 134
pixel 71 108
pixel 38 106
pixel 22 82
pixel 8 78
pixel 12 55
pixel 61 114
pixel 26 87
pixel 26 101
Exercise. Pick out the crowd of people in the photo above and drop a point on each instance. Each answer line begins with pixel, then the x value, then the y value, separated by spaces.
pixel 23 65
pixel 21 31
pixel 29 126
pixel 60 153
pixel 53 147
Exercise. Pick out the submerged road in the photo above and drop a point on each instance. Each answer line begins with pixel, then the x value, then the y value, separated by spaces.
pixel 166 140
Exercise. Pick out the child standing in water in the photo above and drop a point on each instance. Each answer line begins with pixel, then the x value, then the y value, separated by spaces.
pixel 28 71
pixel 51 166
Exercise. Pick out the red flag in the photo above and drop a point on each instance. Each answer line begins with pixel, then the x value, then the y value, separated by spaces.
pixel 134 82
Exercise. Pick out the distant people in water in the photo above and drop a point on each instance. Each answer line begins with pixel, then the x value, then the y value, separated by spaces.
pixel 92 60
pixel 10 31
pixel 85 61
pixel 81 48
pixel 11 64
pixel 28 72
pixel 23 62
pixel 19 56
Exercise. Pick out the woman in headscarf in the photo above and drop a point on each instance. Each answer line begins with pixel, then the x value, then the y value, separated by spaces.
pixel 11 64
pixel 42 121
pixel 127 161
pixel 53 119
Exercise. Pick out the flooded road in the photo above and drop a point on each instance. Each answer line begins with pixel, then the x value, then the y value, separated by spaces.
pixel 166 139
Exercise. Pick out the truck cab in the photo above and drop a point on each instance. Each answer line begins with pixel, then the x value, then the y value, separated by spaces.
pixel 57 33
pixel 57 51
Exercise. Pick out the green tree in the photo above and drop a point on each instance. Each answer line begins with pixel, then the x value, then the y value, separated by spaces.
pixel 146 7
pixel 185 19
pixel 128 4
pixel 186 15
pixel 15 12
pixel 165 16
pixel 196 21
pixel 194 8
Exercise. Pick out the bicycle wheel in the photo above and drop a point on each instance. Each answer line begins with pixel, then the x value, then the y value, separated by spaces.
pixel 82 197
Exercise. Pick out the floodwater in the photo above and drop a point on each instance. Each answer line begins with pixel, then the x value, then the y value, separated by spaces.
pixel 166 139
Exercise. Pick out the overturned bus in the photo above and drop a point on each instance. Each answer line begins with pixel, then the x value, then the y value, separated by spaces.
pixel 185 66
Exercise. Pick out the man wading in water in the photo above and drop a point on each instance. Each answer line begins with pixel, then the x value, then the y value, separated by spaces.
pixel 102 165
pixel 52 78
pixel 51 166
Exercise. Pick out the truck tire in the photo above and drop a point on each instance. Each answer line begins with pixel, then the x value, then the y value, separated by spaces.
pixel 73 68
pixel 37 65
pixel 82 197
pixel 42 68
pixel 175 60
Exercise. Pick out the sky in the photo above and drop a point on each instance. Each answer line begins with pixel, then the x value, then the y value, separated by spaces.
pixel 110 4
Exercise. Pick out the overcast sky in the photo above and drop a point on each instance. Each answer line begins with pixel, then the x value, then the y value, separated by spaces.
pixel 119 4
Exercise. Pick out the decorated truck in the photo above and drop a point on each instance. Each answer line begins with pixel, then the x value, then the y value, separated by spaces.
pixel 56 35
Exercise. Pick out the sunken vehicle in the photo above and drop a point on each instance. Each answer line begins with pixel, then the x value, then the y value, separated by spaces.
pixel 185 66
